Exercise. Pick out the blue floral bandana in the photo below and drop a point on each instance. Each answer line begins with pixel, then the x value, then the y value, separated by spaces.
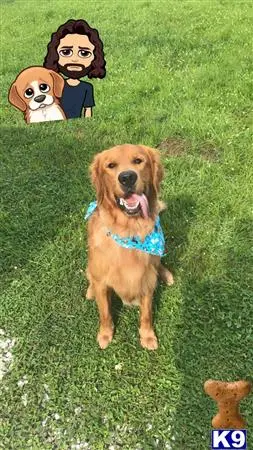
pixel 154 242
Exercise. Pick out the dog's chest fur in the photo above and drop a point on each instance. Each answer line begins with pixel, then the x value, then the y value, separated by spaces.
pixel 131 273
pixel 46 114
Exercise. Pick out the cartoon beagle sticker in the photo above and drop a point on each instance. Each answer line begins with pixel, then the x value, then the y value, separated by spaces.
pixel 56 91
pixel 36 91
pixel 76 51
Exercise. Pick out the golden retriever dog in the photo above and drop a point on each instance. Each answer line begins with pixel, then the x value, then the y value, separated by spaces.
pixel 127 180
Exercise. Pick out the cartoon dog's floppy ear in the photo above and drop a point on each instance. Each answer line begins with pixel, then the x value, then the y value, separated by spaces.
pixel 156 167
pixel 15 99
pixel 58 83
pixel 96 178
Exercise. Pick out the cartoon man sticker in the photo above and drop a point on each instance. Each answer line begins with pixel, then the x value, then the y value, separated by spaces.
pixel 76 51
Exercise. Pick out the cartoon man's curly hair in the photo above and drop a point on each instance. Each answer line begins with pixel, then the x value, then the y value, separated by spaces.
pixel 97 67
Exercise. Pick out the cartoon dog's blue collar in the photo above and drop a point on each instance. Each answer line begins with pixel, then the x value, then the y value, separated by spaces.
pixel 154 242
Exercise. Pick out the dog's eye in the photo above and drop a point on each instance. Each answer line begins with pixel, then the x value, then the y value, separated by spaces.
pixel 137 161
pixel 29 93
pixel 66 52
pixel 111 165
pixel 84 53
pixel 44 87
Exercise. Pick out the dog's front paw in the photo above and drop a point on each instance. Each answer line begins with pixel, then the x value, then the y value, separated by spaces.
pixel 148 340
pixel 104 338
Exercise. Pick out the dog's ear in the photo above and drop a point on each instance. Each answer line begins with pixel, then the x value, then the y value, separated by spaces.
pixel 156 167
pixel 15 99
pixel 97 178
pixel 58 83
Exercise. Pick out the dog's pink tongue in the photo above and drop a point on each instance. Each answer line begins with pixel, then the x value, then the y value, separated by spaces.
pixel 143 202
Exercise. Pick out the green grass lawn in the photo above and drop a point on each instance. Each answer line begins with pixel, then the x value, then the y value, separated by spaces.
pixel 178 73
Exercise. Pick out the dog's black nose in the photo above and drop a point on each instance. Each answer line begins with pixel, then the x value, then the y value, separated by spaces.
pixel 127 178
pixel 39 98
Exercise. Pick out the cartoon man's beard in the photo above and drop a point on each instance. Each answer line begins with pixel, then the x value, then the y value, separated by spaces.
pixel 76 74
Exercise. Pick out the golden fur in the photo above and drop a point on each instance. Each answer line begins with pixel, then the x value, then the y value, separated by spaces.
pixel 132 274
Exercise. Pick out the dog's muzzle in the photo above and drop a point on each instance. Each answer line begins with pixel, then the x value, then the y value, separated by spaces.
pixel 127 179
pixel 134 204
pixel 39 98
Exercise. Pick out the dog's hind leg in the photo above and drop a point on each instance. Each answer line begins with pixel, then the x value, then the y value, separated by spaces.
pixel 90 294
pixel 165 275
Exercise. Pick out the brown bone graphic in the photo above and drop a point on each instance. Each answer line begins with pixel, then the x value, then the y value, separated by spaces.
pixel 228 397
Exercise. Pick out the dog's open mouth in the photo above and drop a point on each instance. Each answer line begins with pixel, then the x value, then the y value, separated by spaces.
pixel 134 205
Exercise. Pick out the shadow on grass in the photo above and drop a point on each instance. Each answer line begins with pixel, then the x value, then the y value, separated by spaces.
pixel 45 180
pixel 176 222
pixel 215 339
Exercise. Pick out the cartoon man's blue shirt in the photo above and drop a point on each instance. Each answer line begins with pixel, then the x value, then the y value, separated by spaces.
pixel 75 98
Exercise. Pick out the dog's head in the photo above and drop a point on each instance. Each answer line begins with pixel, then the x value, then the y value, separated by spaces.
pixel 35 88
pixel 128 177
